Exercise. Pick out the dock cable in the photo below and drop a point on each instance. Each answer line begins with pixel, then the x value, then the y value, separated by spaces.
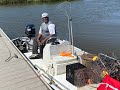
pixel 10 54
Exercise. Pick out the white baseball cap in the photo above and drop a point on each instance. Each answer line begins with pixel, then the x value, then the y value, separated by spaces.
pixel 44 15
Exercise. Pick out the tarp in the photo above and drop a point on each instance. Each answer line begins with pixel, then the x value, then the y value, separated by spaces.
pixel 109 83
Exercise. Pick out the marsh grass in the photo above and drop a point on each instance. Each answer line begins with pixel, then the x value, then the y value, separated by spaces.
pixel 11 2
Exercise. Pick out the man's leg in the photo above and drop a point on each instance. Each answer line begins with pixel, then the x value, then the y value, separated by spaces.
pixel 34 49
pixel 41 50
pixel 35 46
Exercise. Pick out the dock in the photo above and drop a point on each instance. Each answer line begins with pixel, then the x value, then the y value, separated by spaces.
pixel 16 73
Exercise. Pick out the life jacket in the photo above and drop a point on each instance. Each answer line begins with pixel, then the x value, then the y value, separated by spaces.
pixel 45 30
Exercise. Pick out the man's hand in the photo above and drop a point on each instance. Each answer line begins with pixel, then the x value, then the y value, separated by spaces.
pixel 41 42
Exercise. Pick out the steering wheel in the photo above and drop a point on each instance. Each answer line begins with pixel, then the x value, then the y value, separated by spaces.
pixel 53 40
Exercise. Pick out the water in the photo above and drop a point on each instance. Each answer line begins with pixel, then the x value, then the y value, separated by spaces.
pixel 96 23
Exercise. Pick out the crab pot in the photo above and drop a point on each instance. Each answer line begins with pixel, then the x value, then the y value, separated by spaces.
pixel 76 74
pixel 110 63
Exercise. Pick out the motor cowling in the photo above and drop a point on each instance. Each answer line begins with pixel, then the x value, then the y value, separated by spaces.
pixel 30 30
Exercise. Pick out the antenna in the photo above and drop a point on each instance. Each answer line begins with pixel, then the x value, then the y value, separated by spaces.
pixel 66 8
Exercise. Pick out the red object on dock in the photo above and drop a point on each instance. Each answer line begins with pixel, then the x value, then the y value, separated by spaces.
pixel 109 83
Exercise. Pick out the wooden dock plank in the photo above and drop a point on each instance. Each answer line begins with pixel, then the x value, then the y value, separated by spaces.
pixel 16 74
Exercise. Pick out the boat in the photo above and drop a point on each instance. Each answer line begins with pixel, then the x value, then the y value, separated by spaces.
pixel 52 67
pixel 58 65
pixel 60 60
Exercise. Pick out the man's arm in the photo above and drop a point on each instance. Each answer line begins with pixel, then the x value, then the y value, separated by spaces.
pixel 38 37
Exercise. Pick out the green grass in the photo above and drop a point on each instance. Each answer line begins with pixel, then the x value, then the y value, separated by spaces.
pixel 11 2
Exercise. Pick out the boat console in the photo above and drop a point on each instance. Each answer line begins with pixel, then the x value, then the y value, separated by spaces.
pixel 55 64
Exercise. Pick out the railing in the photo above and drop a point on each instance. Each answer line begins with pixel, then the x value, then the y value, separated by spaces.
pixel 51 78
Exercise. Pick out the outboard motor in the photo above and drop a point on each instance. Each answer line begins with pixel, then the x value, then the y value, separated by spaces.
pixel 24 43
pixel 30 30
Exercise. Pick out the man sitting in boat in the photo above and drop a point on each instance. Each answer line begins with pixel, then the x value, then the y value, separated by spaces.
pixel 47 30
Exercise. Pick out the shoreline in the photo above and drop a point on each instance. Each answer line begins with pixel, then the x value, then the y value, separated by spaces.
pixel 17 2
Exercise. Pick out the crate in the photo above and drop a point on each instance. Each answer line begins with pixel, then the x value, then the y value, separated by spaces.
pixel 76 74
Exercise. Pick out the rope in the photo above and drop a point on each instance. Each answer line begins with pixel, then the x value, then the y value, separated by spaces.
pixel 10 53
pixel 7 48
